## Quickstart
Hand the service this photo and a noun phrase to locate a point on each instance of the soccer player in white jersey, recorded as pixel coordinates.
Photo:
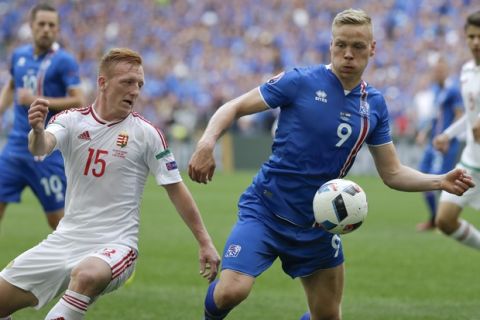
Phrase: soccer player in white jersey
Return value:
(326, 115)
(450, 206)
(109, 151)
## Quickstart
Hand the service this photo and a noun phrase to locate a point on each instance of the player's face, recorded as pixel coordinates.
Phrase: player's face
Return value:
(121, 88)
(350, 49)
(473, 40)
(44, 30)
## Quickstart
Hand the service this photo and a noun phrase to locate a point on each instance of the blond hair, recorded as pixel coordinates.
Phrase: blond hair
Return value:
(116, 55)
(352, 17)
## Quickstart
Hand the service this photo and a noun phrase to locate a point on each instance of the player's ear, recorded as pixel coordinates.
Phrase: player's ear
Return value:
(373, 47)
(101, 82)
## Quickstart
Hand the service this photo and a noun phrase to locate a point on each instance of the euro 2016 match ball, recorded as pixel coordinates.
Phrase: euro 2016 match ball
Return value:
(340, 206)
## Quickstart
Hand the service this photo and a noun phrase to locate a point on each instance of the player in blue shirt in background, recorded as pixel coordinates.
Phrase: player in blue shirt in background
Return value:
(327, 112)
(41, 69)
(448, 107)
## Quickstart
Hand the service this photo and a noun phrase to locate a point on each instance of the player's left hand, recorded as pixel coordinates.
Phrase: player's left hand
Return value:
(457, 182)
(209, 262)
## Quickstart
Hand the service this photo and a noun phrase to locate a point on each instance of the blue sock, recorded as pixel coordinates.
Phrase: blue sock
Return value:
(432, 204)
(211, 310)
(306, 316)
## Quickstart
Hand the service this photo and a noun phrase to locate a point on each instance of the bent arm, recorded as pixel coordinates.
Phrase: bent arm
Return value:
(202, 163)
(248, 103)
(400, 177)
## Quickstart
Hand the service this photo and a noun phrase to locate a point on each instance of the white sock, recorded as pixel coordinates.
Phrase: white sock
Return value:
(71, 306)
(467, 234)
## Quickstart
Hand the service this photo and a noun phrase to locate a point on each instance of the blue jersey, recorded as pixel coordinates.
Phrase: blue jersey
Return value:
(49, 75)
(448, 100)
(321, 129)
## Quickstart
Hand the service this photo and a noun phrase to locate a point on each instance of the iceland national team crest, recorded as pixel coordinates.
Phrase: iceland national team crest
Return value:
(364, 108)
(233, 251)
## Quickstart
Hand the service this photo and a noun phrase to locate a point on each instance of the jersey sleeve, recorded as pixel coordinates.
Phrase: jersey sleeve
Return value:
(281, 89)
(58, 126)
(160, 159)
(381, 132)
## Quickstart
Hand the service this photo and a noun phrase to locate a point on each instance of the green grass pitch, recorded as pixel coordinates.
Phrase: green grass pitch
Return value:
(392, 271)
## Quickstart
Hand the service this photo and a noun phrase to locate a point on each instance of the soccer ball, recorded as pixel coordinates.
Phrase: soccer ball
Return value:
(340, 206)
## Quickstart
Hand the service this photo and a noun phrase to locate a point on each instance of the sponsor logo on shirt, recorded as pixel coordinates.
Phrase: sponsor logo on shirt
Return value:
(321, 95)
(233, 251)
(84, 136)
(122, 140)
(171, 165)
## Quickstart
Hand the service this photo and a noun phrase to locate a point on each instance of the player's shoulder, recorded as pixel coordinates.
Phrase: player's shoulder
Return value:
(146, 128)
(76, 113)
(143, 123)
(23, 50)
(65, 55)
(373, 92)
(311, 70)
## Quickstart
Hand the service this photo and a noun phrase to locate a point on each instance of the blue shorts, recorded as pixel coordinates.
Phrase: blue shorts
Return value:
(46, 179)
(259, 237)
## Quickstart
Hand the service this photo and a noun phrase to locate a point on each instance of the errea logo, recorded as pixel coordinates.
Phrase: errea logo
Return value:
(321, 95)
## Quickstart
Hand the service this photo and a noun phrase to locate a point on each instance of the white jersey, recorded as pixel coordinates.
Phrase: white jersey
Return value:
(107, 165)
(470, 78)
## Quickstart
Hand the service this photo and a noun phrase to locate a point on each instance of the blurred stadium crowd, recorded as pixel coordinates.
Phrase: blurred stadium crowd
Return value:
(200, 53)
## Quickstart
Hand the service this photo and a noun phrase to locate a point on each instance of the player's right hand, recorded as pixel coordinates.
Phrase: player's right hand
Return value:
(202, 163)
(37, 113)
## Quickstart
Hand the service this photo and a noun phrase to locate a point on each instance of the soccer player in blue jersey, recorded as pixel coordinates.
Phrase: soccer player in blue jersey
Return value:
(448, 107)
(327, 112)
(41, 69)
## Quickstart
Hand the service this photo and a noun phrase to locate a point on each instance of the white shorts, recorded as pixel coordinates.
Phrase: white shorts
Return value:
(471, 197)
(45, 269)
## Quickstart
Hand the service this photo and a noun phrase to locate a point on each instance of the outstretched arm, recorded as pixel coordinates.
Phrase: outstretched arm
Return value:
(40, 142)
(186, 207)
(403, 178)
(202, 163)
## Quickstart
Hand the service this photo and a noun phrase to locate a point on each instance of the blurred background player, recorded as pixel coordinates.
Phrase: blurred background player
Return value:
(447, 107)
(328, 103)
(450, 206)
(40, 69)
(109, 152)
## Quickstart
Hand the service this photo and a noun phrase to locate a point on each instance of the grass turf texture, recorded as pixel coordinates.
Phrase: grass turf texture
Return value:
(392, 271)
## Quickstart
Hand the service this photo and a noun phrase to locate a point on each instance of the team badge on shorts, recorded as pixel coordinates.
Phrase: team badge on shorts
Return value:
(233, 251)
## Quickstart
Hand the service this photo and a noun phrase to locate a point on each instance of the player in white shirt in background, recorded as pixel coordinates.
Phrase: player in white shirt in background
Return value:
(450, 206)
(109, 151)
